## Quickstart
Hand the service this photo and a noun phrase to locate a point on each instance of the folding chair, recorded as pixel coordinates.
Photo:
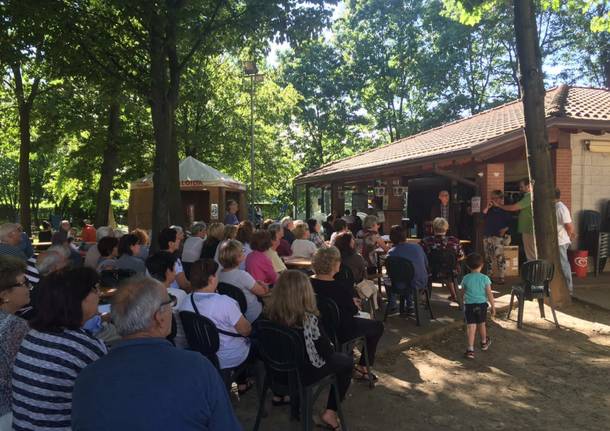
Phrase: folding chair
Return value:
(282, 351)
(442, 265)
(330, 316)
(536, 276)
(400, 271)
(235, 293)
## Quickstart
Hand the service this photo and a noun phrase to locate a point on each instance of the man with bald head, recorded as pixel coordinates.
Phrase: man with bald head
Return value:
(145, 383)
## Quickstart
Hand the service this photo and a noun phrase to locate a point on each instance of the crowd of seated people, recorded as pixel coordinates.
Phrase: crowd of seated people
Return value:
(182, 272)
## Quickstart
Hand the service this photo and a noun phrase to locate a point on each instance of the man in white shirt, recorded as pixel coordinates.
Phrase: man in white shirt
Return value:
(565, 233)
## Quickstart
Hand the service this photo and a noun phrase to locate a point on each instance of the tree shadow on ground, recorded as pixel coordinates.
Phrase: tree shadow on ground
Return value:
(539, 378)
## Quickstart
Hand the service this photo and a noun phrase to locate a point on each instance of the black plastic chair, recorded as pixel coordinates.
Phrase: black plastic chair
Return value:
(202, 335)
(442, 264)
(330, 316)
(401, 272)
(345, 274)
(235, 293)
(536, 276)
(283, 352)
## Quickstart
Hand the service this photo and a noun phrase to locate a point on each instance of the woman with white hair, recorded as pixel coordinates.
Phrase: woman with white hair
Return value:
(440, 241)
(288, 224)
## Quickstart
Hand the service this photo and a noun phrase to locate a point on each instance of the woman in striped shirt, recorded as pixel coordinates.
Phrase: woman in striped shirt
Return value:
(14, 294)
(55, 350)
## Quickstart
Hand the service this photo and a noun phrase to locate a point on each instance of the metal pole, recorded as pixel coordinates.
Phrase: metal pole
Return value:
(252, 194)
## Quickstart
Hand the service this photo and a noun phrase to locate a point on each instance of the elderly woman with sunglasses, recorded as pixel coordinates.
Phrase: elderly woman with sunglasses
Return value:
(14, 294)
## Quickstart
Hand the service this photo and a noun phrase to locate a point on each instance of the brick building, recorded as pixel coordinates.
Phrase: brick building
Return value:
(471, 157)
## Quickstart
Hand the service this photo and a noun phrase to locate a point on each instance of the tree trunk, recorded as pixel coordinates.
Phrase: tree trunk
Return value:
(25, 184)
(163, 97)
(109, 163)
(538, 154)
(176, 212)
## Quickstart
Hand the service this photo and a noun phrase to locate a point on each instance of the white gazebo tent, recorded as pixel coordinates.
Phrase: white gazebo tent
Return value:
(204, 192)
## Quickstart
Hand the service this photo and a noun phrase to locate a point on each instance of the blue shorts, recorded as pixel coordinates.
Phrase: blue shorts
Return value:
(475, 313)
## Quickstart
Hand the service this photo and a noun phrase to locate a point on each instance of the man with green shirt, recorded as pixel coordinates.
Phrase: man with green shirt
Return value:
(525, 222)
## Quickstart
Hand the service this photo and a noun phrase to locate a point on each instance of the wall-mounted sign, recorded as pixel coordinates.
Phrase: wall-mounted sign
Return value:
(214, 211)
(475, 204)
(191, 183)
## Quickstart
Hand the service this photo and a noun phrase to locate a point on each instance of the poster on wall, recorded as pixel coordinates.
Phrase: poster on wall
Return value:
(475, 204)
(214, 211)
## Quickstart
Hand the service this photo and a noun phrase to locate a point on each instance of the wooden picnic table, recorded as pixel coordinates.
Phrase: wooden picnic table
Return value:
(386, 238)
(298, 263)
(41, 246)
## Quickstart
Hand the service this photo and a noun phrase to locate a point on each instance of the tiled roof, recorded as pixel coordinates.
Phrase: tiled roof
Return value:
(565, 102)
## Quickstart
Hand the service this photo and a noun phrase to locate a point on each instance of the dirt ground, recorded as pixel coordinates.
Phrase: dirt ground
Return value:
(538, 378)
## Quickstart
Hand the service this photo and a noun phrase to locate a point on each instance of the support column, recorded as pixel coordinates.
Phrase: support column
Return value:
(393, 213)
(493, 179)
(243, 206)
(337, 206)
(562, 169)
(307, 202)
(215, 200)
(222, 206)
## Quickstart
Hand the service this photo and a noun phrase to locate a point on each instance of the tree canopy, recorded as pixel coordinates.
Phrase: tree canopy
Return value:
(97, 94)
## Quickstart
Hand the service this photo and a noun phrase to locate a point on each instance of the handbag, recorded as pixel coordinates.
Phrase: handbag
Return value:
(367, 289)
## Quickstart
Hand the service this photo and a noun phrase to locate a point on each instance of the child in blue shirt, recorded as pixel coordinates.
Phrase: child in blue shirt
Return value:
(476, 289)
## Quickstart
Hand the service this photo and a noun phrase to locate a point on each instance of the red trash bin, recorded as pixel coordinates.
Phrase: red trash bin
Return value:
(579, 262)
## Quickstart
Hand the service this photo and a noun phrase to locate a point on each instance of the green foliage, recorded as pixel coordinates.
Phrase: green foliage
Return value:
(384, 70)
(213, 125)
(328, 120)
(471, 12)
